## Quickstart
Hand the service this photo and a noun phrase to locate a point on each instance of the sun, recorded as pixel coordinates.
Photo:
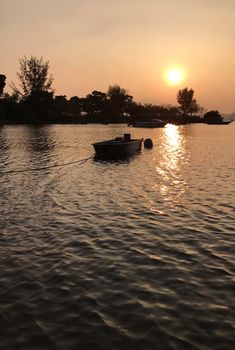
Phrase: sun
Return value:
(174, 76)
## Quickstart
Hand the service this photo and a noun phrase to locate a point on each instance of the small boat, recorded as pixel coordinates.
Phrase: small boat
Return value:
(219, 122)
(120, 147)
(154, 123)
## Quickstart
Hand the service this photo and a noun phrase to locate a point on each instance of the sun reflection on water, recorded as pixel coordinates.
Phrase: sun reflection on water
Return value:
(172, 134)
(172, 160)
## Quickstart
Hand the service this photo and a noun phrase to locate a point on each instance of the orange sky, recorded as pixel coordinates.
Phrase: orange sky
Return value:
(92, 44)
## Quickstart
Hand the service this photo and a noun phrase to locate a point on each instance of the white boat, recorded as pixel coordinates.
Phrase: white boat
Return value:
(153, 123)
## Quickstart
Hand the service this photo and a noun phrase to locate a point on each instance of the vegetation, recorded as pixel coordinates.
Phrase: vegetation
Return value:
(188, 104)
(34, 101)
(119, 99)
(34, 96)
(2, 83)
(33, 76)
(212, 116)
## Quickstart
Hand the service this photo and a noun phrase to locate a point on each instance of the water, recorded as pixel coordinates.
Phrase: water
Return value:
(134, 254)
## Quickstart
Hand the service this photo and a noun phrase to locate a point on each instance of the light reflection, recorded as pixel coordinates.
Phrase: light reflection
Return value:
(172, 135)
(171, 163)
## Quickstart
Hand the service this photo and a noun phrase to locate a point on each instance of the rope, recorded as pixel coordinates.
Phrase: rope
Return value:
(80, 161)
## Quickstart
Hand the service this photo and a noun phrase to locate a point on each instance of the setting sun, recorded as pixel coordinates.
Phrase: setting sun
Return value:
(174, 76)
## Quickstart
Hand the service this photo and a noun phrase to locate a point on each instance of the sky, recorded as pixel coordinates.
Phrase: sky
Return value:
(92, 44)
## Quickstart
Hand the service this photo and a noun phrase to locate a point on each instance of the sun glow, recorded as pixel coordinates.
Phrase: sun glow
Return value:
(174, 76)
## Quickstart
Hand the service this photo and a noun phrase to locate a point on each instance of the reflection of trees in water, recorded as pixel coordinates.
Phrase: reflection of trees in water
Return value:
(39, 139)
(39, 143)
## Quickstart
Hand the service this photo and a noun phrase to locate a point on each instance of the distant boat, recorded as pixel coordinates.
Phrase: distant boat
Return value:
(211, 122)
(154, 123)
(120, 147)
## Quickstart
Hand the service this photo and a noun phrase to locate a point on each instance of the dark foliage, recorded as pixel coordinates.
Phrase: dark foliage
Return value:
(188, 104)
(212, 116)
(33, 76)
(2, 83)
(119, 99)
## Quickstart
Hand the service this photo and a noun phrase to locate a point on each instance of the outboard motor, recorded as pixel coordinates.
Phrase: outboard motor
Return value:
(127, 137)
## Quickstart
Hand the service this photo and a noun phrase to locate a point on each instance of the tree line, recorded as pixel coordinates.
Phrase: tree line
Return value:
(34, 101)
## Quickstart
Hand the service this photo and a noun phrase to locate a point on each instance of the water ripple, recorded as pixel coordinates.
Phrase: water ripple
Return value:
(117, 255)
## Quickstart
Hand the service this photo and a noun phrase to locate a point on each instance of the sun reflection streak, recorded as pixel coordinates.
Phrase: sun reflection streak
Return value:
(172, 149)
(172, 182)
(172, 134)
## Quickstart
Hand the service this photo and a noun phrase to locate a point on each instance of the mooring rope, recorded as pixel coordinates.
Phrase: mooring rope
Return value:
(80, 161)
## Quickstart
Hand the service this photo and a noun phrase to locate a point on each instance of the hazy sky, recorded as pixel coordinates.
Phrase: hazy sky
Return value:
(92, 44)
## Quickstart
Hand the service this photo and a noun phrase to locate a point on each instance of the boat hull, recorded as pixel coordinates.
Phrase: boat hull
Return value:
(149, 124)
(218, 123)
(117, 149)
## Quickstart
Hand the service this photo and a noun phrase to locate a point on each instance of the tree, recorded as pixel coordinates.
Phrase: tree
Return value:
(212, 116)
(74, 105)
(33, 76)
(188, 104)
(2, 83)
(119, 99)
(96, 102)
(35, 90)
(9, 107)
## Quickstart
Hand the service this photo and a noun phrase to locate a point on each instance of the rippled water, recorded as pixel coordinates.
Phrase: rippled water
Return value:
(136, 254)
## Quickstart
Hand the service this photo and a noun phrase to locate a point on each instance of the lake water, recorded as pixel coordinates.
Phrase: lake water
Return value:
(136, 254)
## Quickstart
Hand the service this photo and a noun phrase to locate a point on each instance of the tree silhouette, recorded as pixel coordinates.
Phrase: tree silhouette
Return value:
(188, 104)
(96, 102)
(74, 105)
(35, 91)
(212, 116)
(33, 76)
(119, 99)
(2, 83)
